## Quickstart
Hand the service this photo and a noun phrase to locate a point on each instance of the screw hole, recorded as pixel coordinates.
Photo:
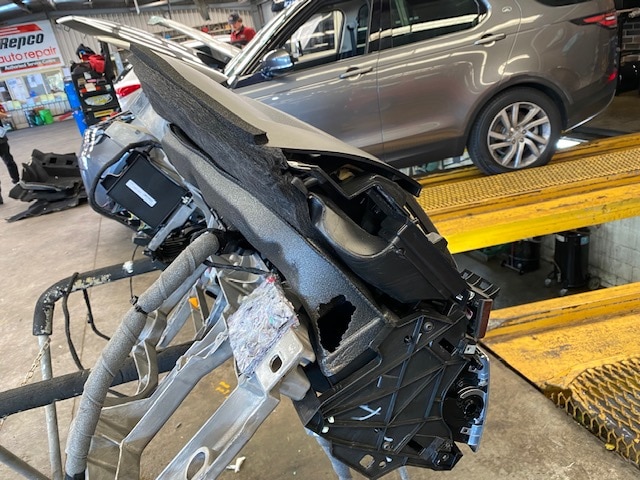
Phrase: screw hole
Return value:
(276, 364)
(198, 461)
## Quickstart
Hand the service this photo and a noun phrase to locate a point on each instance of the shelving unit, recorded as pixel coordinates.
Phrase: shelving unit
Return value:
(97, 96)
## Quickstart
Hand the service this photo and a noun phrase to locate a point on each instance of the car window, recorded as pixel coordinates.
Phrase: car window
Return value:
(362, 21)
(317, 38)
(336, 32)
(408, 21)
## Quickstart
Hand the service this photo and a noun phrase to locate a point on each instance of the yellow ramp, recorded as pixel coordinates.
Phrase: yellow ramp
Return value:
(592, 184)
(583, 352)
(594, 147)
(552, 341)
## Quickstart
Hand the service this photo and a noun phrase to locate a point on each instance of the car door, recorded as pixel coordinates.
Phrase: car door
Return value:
(333, 82)
(438, 60)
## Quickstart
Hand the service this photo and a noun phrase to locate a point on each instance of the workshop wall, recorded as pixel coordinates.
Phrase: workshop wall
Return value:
(614, 251)
(631, 37)
(68, 40)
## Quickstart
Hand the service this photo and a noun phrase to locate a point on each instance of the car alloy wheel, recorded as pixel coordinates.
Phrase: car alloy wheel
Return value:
(517, 129)
(518, 135)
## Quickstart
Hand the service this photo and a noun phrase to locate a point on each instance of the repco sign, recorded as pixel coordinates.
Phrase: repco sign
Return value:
(19, 42)
(28, 47)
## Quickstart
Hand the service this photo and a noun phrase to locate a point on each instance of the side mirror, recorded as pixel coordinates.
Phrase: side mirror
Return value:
(276, 62)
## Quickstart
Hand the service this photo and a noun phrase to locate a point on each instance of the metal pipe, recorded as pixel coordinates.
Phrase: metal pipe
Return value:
(20, 466)
(43, 329)
(40, 394)
(43, 313)
(116, 351)
(51, 417)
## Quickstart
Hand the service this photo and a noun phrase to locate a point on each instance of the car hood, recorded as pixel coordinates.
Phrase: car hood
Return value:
(221, 51)
(124, 36)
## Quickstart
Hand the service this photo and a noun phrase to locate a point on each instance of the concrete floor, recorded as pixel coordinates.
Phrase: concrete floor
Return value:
(526, 437)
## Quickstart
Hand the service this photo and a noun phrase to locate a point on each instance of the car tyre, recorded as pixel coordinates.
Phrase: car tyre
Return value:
(517, 129)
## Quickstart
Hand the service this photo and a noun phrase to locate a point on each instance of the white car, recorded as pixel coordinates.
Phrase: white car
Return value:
(127, 87)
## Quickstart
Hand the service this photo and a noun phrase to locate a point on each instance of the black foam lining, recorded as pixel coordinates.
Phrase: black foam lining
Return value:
(231, 143)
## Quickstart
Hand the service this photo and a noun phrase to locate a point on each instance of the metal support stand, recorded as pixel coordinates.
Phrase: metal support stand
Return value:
(125, 430)
(224, 434)
(55, 455)
(20, 466)
(43, 328)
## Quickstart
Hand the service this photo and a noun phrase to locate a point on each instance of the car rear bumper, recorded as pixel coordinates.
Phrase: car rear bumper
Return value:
(589, 102)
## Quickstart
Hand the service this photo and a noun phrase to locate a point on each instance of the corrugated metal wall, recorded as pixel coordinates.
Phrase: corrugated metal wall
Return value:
(68, 40)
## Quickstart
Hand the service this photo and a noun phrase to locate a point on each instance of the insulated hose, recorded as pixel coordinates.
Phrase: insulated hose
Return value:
(120, 345)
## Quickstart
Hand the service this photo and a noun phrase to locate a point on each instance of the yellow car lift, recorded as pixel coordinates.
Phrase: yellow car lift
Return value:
(582, 351)
(585, 186)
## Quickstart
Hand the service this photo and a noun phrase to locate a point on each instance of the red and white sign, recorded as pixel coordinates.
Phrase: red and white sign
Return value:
(28, 47)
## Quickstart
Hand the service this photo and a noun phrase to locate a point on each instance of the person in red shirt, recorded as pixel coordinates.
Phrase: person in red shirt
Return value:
(240, 35)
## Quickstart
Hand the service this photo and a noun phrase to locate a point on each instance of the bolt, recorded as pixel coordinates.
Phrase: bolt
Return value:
(325, 429)
(387, 446)
(428, 327)
(331, 419)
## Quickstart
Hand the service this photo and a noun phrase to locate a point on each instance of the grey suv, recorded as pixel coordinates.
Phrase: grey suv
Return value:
(413, 81)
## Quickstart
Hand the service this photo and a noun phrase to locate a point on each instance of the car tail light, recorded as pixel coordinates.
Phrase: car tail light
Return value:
(606, 20)
(127, 90)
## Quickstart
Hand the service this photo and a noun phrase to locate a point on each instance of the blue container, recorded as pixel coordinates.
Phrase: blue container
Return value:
(78, 116)
(72, 95)
(74, 102)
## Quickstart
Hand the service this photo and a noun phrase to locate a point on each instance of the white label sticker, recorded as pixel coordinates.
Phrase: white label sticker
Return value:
(137, 189)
